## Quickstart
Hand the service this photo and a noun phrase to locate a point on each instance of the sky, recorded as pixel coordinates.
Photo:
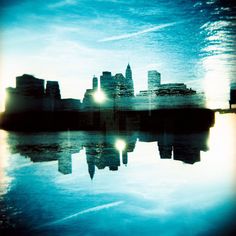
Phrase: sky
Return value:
(72, 40)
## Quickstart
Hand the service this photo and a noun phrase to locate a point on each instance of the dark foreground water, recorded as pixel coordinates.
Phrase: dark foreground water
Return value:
(85, 183)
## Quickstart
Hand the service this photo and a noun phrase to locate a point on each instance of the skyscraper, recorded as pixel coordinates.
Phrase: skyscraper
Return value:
(120, 87)
(95, 83)
(28, 85)
(128, 72)
(107, 83)
(129, 81)
(53, 90)
(154, 79)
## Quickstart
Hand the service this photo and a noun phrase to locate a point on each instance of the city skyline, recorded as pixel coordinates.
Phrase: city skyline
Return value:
(76, 39)
(114, 92)
(126, 72)
(74, 96)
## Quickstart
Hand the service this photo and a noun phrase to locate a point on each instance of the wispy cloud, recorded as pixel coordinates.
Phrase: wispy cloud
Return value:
(93, 209)
(63, 3)
(130, 35)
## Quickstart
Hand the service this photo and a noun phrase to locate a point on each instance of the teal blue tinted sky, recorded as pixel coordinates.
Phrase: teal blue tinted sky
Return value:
(71, 40)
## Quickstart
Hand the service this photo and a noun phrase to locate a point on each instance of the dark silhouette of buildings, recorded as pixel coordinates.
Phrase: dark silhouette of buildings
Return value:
(88, 100)
(107, 83)
(180, 133)
(27, 96)
(30, 106)
(117, 90)
(129, 81)
(184, 147)
(167, 96)
(29, 85)
(95, 83)
(232, 99)
(31, 96)
(120, 86)
(53, 90)
(165, 145)
(40, 149)
(70, 105)
(117, 86)
(171, 89)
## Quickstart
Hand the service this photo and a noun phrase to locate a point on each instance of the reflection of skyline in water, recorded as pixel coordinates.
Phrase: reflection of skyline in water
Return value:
(148, 188)
(100, 148)
(180, 134)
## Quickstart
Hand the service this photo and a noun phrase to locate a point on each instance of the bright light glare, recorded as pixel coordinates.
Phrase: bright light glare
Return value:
(120, 145)
(216, 82)
(3, 98)
(4, 163)
(99, 96)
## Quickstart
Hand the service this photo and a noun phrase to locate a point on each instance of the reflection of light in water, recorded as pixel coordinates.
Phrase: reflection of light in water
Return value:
(222, 135)
(221, 158)
(120, 145)
(99, 96)
(3, 98)
(7, 78)
(4, 156)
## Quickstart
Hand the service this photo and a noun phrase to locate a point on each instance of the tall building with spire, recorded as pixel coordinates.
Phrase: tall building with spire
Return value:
(129, 81)
(128, 72)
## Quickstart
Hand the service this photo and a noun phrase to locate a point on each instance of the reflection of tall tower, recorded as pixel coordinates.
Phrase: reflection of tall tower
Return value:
(165, 143)
(125, 158)
(65, 164)
(154, 79)
(91, 169)
(91, 164)
(187, 154)
(187, 147)
(129, 80)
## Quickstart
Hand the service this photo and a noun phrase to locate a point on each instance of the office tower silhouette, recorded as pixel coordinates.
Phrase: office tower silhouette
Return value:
(95, 83)
(53, 90)
(120, 86)
(107, 83)
(232, 98)
(154, 80)
(28, 85)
